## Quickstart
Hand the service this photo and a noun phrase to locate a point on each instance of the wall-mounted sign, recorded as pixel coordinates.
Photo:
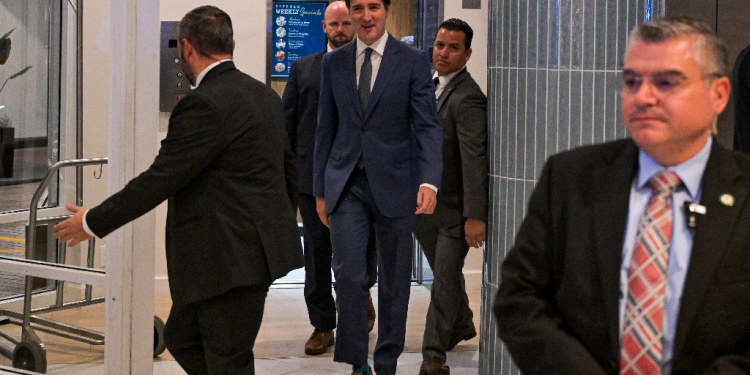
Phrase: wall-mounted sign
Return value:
(296, 32)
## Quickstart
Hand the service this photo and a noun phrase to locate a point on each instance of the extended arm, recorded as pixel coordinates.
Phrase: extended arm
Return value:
(191, 144)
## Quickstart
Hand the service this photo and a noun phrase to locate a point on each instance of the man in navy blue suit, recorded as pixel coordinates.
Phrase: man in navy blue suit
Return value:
(301, 109)
(378, 154)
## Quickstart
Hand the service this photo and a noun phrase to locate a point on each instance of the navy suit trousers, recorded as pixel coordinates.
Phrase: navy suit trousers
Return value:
(321, 307)
(351, 221)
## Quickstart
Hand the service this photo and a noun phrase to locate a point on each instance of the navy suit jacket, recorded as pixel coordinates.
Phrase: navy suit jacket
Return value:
(300, 102)
(557, 305)
(398, 134)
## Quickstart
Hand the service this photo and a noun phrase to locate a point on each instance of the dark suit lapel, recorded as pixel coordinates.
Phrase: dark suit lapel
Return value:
(349, 74)
(722, 176)
(449, 89)
(388, 64)
(610, 202)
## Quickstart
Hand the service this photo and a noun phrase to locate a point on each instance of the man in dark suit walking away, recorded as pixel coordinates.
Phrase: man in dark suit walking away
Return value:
(633, 256)
(227, 172)
(461, 212)
(300, 101)
(377, 156)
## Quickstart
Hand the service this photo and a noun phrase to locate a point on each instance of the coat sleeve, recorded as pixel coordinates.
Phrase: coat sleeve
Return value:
(290, 101)
(193, 141)
(470, 119)
(528, 322)
(426, 123)
(326, 131)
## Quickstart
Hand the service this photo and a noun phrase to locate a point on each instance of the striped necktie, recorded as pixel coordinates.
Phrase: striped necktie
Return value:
(641, 346)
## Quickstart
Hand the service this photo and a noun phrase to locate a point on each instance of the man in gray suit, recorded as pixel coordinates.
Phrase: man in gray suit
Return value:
(228, 174)
(461, 212)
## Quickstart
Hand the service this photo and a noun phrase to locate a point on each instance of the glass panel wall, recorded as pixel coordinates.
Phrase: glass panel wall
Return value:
(29, 97)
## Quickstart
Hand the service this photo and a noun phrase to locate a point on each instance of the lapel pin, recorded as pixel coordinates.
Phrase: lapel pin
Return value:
(727, 200)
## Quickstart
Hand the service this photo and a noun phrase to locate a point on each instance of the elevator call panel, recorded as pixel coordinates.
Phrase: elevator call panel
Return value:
(173, 85)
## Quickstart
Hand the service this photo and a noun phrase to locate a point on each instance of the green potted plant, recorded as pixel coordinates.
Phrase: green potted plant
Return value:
(7, 133)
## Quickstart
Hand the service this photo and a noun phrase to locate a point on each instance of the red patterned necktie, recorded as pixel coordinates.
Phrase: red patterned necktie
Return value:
(641, 347)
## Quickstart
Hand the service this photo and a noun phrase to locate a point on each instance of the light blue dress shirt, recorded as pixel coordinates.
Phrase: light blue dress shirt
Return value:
(691, 174)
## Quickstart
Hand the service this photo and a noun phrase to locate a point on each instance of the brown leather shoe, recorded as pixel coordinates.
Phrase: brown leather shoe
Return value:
(465, 335)
(319, 342)
(434, 366)
(370, 313)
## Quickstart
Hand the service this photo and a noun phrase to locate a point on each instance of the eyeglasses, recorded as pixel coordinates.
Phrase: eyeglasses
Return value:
(665, 83)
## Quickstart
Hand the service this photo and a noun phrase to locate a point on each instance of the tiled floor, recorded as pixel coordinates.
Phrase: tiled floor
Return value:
(461, 363)
(279, 347)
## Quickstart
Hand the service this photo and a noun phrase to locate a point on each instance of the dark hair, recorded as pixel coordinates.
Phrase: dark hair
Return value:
(710, 51)
(387, 3)
(455, 24)
(208, 29)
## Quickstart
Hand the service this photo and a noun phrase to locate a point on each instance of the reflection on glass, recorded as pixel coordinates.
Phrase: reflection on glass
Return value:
(29, 120)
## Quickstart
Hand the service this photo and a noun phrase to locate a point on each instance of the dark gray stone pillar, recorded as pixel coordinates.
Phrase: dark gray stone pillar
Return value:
(553, 78)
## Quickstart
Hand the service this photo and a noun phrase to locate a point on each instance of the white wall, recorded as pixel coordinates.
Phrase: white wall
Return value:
(477, 19)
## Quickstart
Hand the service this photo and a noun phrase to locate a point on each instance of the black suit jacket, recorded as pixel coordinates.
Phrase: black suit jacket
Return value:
(741, 96)
(300, 101)
(462, 108)
(227, 171)
(557, 305)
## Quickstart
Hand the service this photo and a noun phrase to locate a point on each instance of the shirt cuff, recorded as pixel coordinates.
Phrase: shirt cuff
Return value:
(86, 226)
(431, 186)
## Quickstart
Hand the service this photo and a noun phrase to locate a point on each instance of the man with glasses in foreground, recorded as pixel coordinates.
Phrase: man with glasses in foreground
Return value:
(634, 256)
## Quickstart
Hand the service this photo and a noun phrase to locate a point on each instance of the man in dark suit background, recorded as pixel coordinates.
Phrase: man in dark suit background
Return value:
(596, 282)
(227, 172)
(461, 211)
(300, 101)
(378, 139)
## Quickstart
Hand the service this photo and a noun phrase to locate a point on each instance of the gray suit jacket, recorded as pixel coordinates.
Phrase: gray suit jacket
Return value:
(462, 108)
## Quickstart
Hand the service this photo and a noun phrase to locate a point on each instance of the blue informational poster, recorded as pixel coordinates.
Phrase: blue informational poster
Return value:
(297, 31)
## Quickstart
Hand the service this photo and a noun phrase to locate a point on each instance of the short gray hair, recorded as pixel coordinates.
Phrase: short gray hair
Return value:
(710, 51)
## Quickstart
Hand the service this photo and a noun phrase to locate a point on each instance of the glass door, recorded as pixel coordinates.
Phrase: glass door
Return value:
(38, 118)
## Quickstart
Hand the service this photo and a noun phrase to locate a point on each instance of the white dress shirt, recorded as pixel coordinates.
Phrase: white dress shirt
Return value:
(444, 81)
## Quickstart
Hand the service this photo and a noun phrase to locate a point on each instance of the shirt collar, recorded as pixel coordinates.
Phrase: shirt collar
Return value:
(446, 79)
(205, 71)
(378, 46)
(690, 172)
